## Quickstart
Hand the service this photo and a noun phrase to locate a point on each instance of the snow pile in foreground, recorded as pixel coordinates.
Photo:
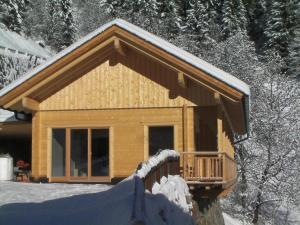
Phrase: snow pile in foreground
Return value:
(155, 160)
(176, 190)
(123, 204)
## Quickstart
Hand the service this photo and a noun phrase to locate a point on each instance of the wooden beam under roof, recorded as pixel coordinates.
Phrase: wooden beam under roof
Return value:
(219, 101)
(182, 80)
(119, 47)
(30, 104)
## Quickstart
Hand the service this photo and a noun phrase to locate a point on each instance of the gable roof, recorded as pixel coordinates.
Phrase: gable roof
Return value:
(45, 79)
(151, 38)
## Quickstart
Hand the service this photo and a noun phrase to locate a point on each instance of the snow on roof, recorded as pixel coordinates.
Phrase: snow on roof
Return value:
(12, 43)
(7, 116)
(151, 38)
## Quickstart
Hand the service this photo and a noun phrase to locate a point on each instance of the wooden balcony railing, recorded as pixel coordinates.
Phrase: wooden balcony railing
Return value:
(208, 168)
(164, 167)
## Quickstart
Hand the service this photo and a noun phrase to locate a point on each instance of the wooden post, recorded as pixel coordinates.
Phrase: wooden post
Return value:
(89, 153)
(224, 168)
(68, 153)
(185, 127)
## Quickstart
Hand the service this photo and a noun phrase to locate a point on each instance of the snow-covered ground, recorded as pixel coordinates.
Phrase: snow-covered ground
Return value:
(231, 221)
(295, 216)
(14, 192)
(79, 204)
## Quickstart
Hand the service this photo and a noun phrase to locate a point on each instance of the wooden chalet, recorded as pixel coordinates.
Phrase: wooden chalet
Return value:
(120, 94)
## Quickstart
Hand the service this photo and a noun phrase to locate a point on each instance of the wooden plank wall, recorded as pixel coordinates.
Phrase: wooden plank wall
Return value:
(226, 137)
(127, 126)
(208, 128)
(134, 81)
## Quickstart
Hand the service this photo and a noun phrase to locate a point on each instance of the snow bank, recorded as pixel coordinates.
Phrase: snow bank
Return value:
(14, 41)
(123, 204)
(230, 221)
(154, 161)
(176, 190)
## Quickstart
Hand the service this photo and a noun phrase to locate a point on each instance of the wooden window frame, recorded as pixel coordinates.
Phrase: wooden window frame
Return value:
(68, 177)
(146, 136)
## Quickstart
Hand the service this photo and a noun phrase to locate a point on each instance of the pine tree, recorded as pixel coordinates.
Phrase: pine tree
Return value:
(98, 14)
(35, 20)
(10, 15)
(54, 22)
(168, 15)
(241, 13)
(229, 19)
(197, 19)
(61, 27)
(294, 46)
(113, 7)
(256, 26)
(68, 28)
(276, 31)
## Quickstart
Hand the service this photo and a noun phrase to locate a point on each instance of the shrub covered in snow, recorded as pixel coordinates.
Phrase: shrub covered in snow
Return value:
(176, 190)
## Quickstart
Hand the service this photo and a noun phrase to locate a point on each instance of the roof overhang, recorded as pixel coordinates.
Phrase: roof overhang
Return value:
(229, 87)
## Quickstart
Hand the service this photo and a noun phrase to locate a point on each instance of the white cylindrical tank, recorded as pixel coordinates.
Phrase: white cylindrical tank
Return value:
(6, 167)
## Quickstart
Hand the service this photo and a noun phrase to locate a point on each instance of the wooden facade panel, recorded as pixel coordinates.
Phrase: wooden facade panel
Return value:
(128, 139)
(227, 138)
(127, 82)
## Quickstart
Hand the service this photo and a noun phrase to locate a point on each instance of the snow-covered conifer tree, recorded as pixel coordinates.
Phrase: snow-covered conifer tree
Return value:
(61, 27)
(229, 19)
(293, 59)
(113, 7)
(276, 31)
(10, 15)
(53, 35)
(242, 17)
(68, 27)
(197, 19)
(169, 16)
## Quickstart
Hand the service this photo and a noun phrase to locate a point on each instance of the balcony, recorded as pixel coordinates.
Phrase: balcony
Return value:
(209, 169)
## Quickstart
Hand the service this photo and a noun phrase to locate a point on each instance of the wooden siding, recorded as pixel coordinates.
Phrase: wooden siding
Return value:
(134, 81)
(225, 136)
(127, 133)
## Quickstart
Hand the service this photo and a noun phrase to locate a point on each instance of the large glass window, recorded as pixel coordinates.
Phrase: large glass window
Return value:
(85, 151)
(100, 152)
(160, 138)
(79, 152)
(58, 152)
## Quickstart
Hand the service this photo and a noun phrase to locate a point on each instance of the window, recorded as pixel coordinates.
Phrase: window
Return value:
(100, 152)
(160, 138)
(86, 155)
(58, 152)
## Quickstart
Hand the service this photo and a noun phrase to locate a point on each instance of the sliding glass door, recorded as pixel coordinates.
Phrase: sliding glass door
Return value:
(81, 153)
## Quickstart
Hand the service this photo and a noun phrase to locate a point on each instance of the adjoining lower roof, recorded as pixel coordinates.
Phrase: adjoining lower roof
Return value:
(7, 116)
(148, 37)
(13, 44)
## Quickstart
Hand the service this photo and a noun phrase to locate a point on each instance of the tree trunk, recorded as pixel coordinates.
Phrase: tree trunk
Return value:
(256, 208)
(207, 212)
